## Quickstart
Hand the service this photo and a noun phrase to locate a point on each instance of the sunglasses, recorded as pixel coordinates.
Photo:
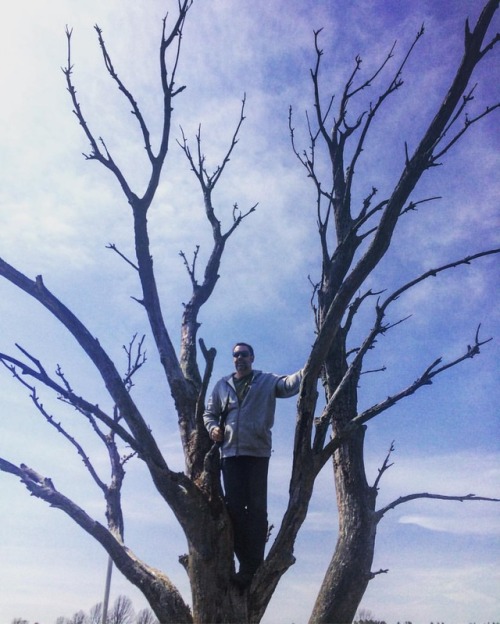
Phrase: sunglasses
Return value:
(243, 354)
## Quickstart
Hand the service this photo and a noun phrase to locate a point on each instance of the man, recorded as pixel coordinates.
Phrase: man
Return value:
(239, 416)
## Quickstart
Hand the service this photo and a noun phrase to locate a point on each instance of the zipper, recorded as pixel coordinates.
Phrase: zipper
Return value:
(240, 403)
(233, 390)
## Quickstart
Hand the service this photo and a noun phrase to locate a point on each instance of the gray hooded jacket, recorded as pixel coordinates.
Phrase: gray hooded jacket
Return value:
(248, 424)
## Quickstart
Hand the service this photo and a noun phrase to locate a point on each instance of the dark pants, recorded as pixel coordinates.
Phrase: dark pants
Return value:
(245, 488)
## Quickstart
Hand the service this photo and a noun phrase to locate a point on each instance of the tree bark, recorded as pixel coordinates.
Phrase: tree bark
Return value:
(349, 570)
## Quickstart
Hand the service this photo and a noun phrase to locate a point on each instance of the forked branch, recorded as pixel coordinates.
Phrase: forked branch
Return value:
(468, 122)
(201, 291)
(135, 107)
(96, 154)
(394, 85)
(20, 370)
(385, 466)
(379, 328)
(436, 368)
(136, 358)
(206, 180)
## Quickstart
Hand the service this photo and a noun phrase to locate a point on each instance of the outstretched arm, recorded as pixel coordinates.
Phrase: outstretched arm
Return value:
(289, 385)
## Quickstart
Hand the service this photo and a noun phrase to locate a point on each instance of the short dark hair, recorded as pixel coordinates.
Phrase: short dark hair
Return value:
(244, 344)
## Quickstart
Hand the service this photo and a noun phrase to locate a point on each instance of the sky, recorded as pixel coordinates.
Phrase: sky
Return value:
(58, 212)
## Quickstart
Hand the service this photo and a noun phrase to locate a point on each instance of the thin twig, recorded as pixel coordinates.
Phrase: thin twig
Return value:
(405, 499)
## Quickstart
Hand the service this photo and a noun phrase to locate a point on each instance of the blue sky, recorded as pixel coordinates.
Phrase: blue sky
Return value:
(58, 213)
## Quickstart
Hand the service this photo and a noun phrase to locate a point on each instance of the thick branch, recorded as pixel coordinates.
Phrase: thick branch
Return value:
(209, 355)
(117, 389)
(472, 56)
(177, 489)
(154, 584)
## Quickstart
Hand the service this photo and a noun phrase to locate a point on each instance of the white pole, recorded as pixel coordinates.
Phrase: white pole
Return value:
(106, 592)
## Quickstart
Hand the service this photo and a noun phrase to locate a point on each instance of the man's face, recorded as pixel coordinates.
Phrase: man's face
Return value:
(242, 360)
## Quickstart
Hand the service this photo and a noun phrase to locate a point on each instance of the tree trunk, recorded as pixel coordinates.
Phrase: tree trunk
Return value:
(215, 597)
(350, 568)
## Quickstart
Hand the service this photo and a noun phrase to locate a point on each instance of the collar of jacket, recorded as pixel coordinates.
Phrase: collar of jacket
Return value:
(229, 378)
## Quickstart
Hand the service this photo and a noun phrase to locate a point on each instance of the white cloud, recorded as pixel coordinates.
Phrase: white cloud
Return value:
(473, 523)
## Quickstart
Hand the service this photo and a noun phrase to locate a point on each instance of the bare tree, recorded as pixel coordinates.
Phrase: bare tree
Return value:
(122, 611)
(146, 616)
(95, 614)
(78, 618)
(353, 240)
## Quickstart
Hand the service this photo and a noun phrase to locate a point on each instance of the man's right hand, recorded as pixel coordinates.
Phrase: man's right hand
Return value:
(217, 434)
